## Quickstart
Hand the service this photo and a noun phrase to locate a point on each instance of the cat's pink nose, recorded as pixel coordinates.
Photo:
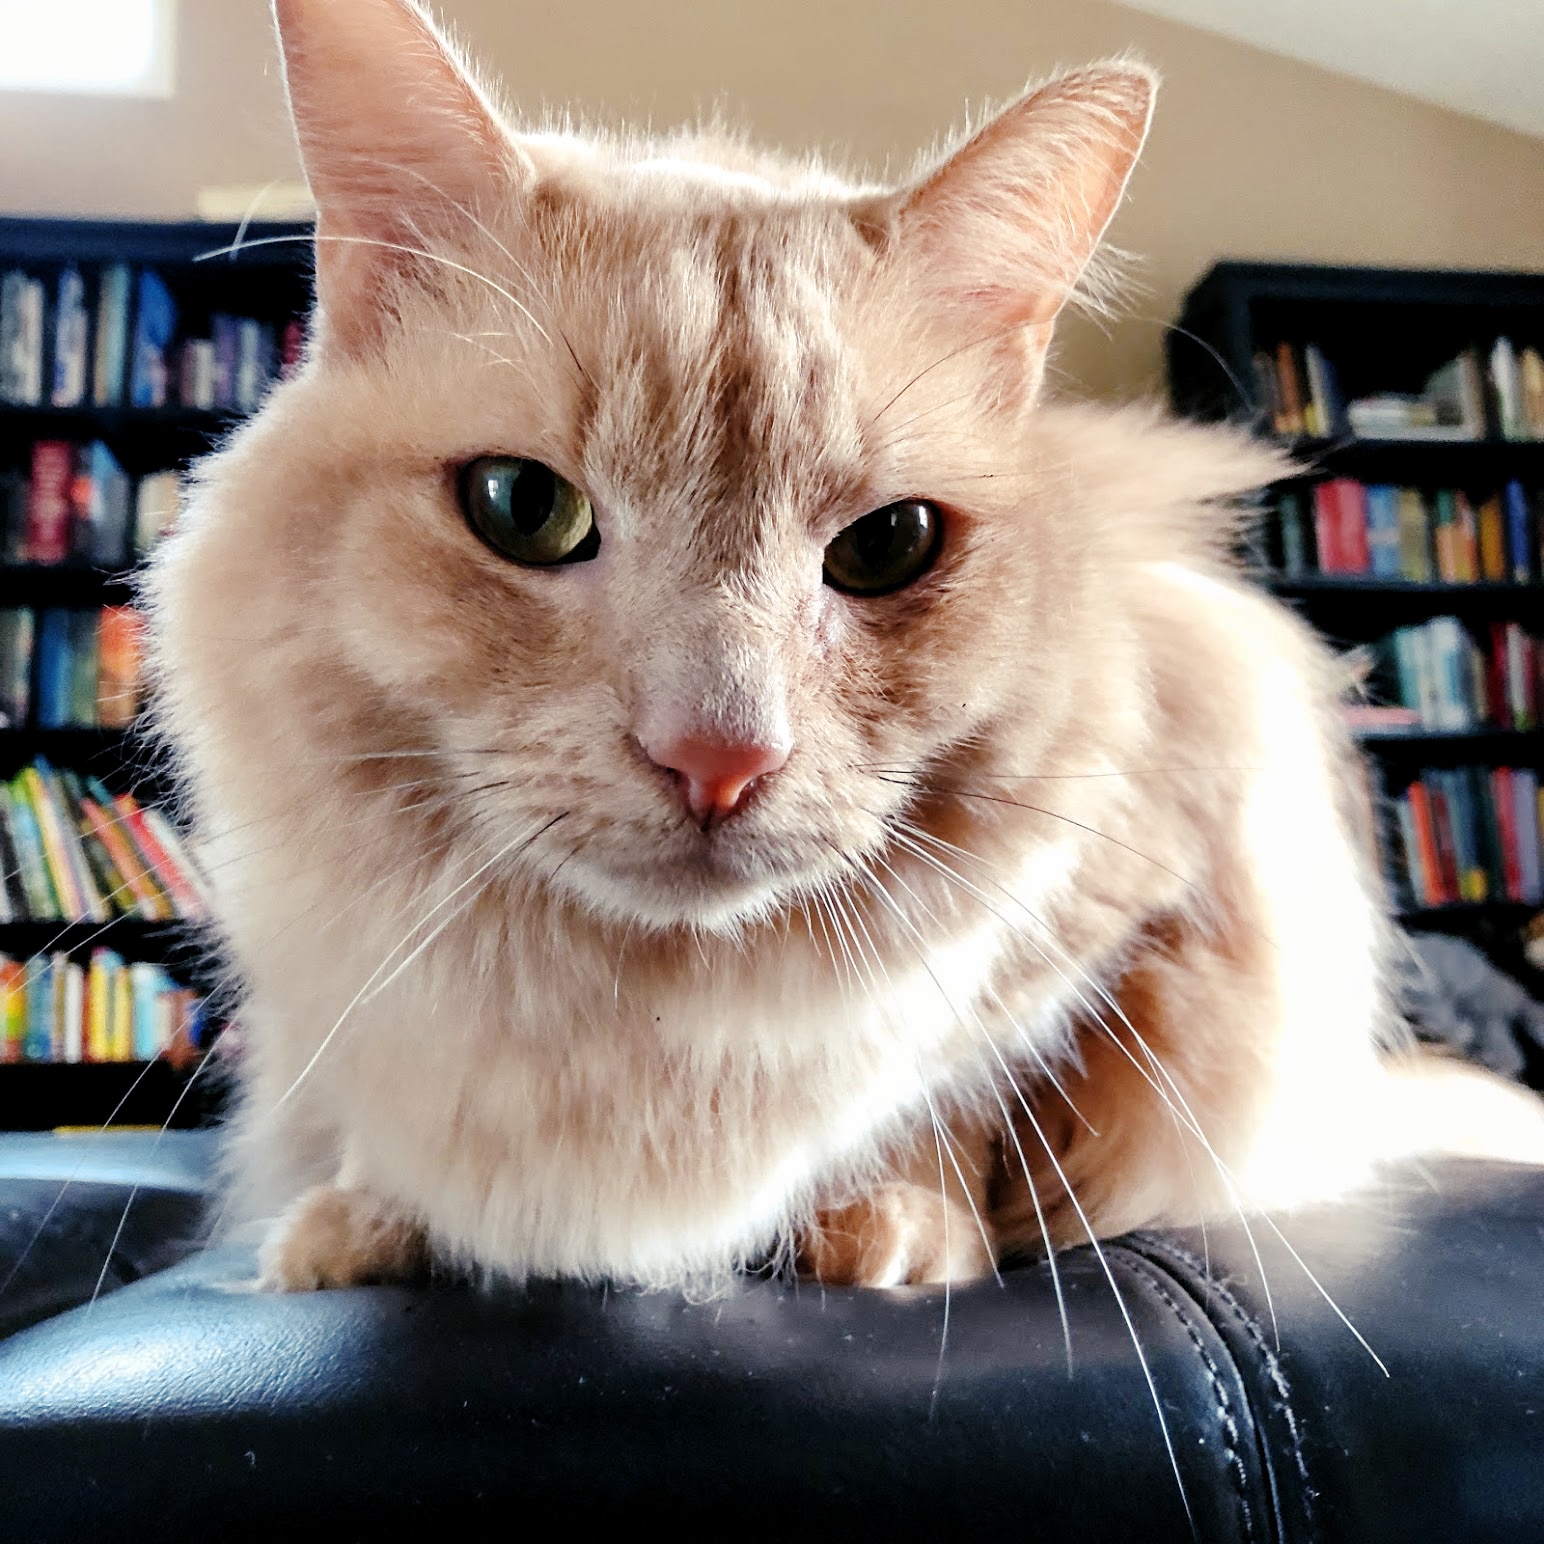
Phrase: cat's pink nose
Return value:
(716, 775)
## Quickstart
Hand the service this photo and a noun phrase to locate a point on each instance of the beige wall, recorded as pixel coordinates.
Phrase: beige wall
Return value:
(1252, 155)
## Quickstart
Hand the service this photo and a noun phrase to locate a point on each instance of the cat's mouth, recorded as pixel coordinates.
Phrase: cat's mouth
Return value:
(720, 877)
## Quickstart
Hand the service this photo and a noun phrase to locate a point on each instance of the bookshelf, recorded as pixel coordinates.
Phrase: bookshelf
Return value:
(155, 373)
(1386, 540)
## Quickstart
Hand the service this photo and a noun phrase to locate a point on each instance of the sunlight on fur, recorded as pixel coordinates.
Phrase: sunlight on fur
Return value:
(685, 871)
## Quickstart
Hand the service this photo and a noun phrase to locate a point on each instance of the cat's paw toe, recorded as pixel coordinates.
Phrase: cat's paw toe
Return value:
(900, 1234)
(336, 1237)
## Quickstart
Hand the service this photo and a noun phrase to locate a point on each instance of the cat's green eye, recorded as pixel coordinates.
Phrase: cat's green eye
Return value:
(885, 550)
(526, 512)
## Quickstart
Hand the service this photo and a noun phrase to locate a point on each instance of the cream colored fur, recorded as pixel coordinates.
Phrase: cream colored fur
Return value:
(1065, 822)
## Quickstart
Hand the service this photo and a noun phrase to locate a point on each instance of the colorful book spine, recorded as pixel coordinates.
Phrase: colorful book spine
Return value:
(151, 902)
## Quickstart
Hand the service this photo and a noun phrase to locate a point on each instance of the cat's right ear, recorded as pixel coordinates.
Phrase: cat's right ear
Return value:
(399, 142)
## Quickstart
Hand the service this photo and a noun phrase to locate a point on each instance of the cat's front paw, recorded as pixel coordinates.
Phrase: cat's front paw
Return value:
(899, 1234)
(340, 1237)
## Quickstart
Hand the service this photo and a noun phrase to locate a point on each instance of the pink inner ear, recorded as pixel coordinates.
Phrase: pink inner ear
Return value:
(1009, 222)
(397, 139)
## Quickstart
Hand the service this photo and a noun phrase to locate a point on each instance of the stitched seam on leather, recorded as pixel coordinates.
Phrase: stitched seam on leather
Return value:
(1268, 1359)
(1238, 1471)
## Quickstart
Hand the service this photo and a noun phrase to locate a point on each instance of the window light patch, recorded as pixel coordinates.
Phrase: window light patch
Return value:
(106, 47)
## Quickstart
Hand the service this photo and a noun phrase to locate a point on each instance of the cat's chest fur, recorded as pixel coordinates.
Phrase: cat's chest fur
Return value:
(614, 1115)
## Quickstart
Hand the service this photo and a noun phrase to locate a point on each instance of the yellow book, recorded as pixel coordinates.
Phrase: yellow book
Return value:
(121, 1035)
(1492, 540)
(97, 993)
(1415, 555)
(1532, 366)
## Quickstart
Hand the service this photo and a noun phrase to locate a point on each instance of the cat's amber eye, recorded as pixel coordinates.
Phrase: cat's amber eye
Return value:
(526, 512)
(885, 550)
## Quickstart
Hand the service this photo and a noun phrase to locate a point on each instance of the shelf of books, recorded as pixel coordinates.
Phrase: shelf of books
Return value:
(1412, 535)
(126, 350)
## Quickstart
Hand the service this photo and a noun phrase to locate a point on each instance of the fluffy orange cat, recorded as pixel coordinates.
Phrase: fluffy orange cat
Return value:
(698, 762)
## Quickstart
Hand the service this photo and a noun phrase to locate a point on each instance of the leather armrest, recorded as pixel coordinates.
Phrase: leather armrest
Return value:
(82, 1215)
(186, 1405)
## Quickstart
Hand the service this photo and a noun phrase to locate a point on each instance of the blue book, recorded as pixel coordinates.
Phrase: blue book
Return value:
(1525, 816)
(102, 513)
(148, 983)
(72, 326)
(55, 670)
(155, 324)
(1518, 547)
(1383, 532)
(40, 1008)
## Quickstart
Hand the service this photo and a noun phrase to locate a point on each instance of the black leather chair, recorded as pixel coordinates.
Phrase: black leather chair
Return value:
(184, 1406)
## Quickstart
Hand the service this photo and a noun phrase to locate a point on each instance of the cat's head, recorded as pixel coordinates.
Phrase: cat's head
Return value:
(678, 503)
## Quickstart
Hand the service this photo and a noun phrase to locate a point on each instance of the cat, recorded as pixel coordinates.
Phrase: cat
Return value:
(700, 762)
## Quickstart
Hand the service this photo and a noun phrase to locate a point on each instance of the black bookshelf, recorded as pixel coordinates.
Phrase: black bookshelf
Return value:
(1385, 330)
(267, 277)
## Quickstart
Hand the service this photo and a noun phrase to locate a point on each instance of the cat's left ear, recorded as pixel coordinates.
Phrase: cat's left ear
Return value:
(1006, 225)
(400, 145)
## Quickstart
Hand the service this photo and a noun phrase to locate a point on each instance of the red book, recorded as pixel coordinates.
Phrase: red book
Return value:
(1351, 503)
(1426, 842)
(50, 503)
(1498, 709)
(1447, 853)
(1506, 818)
(161, 864)
(1326, 529)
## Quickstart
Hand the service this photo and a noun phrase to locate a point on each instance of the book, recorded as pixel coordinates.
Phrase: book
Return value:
(1507, 389)
(72, 337)
(1492, 540)
(50, 532)
(67, 869)
(1531, 370)
(21, 339)
(1297, 547)
(292, 349)
(1328, 540)
(254, 364)
(225, 337)
(155, 510)
(120, 665)
(41, 904)
(83, 642)
(195, 375)
(1416, 561)
(72, 979)
(111, 355)
(39, 983)
(54, 672)
(1383, 532)
(1519, 547)
(101, 508)
(1289, 391)
(13, 1010)
(15, 666)
(150, 901)
(1324, 393)
(155, 323)
(153, 838)
(1466, 539)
